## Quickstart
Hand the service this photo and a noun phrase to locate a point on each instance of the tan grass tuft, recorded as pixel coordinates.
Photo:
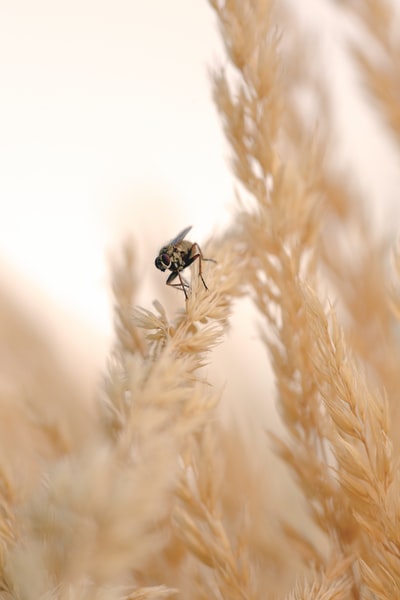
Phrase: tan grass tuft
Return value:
(150, 493)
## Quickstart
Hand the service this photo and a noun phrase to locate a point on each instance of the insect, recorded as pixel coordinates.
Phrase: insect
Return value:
(176, 256)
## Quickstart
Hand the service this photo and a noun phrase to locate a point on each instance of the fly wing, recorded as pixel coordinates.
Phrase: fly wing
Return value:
(180, 236)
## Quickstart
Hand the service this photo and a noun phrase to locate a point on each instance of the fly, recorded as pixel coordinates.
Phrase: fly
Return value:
(176, 256)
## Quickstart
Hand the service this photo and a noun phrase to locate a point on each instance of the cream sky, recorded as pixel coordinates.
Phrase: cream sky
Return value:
(108, 129)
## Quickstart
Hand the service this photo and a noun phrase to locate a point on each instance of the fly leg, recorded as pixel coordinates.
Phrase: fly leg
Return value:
(200, 256)
(182, 285)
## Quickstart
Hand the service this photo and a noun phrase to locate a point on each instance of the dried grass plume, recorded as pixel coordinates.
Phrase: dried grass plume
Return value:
(149, 494)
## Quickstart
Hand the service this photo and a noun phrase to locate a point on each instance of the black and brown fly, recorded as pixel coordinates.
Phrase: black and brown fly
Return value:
(176, 256)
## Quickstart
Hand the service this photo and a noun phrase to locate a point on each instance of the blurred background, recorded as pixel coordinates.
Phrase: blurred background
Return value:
(108, 131)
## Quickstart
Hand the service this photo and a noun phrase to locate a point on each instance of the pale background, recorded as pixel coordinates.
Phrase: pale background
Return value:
(107, 129)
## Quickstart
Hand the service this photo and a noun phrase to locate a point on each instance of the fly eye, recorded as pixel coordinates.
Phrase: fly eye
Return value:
(162, 261)
(165, 259)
